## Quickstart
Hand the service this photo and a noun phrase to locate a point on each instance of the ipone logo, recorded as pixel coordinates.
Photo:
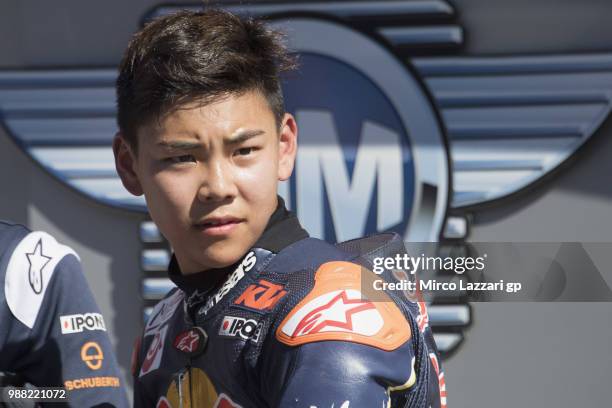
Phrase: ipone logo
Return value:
(247, 329)
(78, 322)
(371, 155)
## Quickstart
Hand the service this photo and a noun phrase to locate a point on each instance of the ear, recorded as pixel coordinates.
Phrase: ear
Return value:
(287, 147)
(125, 163)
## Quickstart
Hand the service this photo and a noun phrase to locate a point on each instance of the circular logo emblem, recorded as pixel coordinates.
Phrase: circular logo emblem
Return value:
(92, 356)
(371, 154)
(191, 342)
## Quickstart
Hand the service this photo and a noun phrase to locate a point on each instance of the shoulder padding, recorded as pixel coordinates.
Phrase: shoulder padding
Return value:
(28, 273)
(343, 306)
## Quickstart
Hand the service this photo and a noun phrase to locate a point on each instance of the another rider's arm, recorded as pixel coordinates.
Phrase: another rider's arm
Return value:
(57, 328)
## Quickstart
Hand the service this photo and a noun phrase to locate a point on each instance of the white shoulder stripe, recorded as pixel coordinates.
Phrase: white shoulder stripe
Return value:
(29, 272)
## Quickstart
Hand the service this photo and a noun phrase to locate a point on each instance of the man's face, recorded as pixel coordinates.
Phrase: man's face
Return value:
(209, 175)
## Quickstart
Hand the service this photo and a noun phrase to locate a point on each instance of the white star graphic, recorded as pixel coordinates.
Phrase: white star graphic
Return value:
(37, 261)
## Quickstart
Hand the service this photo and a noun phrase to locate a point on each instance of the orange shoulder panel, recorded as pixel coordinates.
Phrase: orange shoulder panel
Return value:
(341, 306)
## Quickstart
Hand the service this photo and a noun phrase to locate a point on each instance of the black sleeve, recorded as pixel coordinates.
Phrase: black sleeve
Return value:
(347, 375)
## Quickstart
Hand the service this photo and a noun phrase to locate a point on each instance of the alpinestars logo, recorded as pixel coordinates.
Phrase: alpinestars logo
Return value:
(78, 322)
(37, 261)
(338, 311)
(246, 265)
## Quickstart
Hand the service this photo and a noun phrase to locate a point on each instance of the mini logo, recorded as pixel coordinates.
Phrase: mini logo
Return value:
(154, 353)
(92, 355)
(246, 265)
(247, 329)
(37, 261)
(78, 322)
(191, 341)
(163, 312)
(262, 296)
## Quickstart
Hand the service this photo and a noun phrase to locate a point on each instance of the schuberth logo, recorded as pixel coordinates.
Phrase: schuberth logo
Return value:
(92, 355)
(91, 382)
(262, 296)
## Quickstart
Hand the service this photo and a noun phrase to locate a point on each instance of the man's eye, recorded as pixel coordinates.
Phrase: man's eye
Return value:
(186, 158)
(245, 151)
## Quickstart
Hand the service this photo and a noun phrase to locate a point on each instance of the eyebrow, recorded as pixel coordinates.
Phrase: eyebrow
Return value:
(179, 145)
(242, 136)
(237, 138)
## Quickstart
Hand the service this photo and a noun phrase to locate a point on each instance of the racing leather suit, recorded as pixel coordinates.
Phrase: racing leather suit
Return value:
(51, 331)
(289, 325)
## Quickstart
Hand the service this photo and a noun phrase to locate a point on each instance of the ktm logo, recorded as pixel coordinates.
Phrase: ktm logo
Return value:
(262, 296)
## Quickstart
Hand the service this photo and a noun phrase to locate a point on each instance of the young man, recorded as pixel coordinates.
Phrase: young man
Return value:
(51, 331)
(263, 316)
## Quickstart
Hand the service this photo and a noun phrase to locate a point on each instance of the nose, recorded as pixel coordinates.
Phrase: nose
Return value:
(217, 183)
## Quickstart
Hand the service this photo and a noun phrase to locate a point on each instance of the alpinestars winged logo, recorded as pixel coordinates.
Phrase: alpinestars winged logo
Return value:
(337, 314)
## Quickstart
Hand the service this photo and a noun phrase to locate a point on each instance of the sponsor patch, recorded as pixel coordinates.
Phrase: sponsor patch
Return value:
(154, 353)
(92, 355)
(76, 323)
(162, 312)
(92, 382)
(247, 329)
(191, 341)
(261, 296)
(246, 265)
(337, 309)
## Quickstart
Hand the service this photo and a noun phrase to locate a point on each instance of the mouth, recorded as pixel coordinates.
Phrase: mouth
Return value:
(218, 225)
